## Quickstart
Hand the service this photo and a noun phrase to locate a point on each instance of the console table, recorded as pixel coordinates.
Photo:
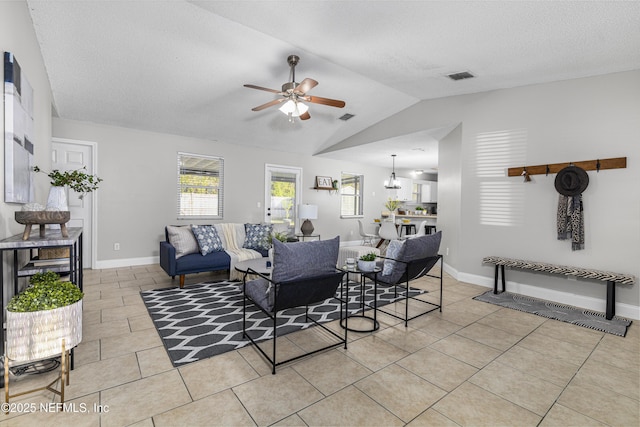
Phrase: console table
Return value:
(304, 237)
(51, 239)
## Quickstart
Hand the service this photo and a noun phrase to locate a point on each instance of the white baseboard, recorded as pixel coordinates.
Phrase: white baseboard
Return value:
(596, 304)
(451, 271)
(128, 262)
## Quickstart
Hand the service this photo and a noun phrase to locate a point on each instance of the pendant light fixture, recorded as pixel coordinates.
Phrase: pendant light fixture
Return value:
(392, 183)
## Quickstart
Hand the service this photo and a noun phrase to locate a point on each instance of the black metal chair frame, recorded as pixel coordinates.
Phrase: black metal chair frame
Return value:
(320, 289)
(414, 270)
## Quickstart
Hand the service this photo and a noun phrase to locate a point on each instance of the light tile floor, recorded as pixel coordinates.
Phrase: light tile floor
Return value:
(473, 364)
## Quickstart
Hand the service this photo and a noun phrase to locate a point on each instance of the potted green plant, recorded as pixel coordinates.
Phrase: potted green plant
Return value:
(392, 204)
(78, 180)
(41, 316)
(419, 210)
(280, 235)
(367, 262)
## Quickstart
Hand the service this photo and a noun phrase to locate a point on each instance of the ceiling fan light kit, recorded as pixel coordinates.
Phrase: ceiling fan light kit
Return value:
(294, 108)
(392, 183)
(293, 92)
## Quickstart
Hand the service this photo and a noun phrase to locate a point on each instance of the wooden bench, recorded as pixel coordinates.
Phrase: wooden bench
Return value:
(585, 273)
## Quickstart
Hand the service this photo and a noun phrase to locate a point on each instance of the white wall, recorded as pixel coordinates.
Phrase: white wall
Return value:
(18, 37)
(138, 195)
(571, 120)
(449, 197)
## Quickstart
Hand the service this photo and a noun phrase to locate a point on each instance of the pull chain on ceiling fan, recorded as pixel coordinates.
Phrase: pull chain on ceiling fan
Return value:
(293, 93)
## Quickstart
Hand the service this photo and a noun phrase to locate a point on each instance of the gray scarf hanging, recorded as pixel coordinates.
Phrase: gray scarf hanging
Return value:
(571, 220)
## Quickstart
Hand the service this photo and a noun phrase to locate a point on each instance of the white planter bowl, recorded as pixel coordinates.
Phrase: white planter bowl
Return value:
(38, 334)
(366, 265)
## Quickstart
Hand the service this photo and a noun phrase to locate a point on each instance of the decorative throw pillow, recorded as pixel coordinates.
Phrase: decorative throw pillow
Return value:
(182, 239)
(393, 250)
(416, 248)
(257, 236)
(420, 247)
(298, 260)
(208, 239)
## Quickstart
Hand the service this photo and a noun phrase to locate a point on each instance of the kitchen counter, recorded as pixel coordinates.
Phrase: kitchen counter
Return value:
(412, 216)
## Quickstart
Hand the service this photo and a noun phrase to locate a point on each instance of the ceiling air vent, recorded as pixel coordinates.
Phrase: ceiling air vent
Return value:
(346, 117)
(460, 76)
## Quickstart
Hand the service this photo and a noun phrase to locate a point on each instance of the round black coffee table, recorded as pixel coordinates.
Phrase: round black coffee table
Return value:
(259, 265)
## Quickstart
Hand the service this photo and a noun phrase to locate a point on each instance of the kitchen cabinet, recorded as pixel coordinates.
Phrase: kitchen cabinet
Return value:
(429, 192)
(405, 193)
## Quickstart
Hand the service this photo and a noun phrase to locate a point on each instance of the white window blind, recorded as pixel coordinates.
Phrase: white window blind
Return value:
(351, 195)
(501, 199)
(200, 186)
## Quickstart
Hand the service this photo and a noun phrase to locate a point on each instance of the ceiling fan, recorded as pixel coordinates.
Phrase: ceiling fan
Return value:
(293, 93)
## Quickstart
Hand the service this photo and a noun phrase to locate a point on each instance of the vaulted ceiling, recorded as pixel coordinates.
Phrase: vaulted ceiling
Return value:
(179, 67)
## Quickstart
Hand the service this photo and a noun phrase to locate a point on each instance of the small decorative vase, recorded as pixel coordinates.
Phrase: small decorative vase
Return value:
(57, 201)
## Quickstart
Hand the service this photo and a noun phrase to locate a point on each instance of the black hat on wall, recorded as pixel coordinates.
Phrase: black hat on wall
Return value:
(571, 181)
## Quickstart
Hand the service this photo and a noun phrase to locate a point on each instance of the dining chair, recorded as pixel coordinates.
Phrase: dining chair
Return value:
(367, 238)
(388, 231)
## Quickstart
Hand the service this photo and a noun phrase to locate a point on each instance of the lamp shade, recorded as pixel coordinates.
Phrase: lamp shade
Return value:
(308, 211)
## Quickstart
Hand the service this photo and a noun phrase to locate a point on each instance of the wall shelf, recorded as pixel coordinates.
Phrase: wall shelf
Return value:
(329, 189)
(588, 165)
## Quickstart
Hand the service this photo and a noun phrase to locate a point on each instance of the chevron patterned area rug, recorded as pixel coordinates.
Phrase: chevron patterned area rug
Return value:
(552, 310)
(204, 320)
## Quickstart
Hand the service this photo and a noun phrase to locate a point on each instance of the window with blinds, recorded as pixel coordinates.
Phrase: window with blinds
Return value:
(200, 186)
(351, 195)
(501, 200)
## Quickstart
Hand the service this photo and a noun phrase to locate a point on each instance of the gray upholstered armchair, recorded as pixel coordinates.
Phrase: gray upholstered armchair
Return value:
(409, 260)
(304, 274)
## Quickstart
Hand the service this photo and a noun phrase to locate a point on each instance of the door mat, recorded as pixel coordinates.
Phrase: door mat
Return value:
(553, 310)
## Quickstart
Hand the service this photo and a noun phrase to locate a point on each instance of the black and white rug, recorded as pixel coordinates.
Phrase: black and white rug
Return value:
(204, 320)
(552, 310)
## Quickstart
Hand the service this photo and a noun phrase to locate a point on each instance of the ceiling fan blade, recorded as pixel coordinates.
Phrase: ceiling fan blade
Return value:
(268, 104)
(325, 101)
(262, 88)
(305, 116)
(305, 86)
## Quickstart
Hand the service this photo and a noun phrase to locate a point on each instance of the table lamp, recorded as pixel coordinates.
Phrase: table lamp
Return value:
(307, 212)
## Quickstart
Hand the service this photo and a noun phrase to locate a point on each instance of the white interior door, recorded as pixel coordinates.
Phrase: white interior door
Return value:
(282, 197)
(68, 155)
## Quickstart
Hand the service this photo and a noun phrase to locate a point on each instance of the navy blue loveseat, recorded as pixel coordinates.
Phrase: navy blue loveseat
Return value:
(191, 263)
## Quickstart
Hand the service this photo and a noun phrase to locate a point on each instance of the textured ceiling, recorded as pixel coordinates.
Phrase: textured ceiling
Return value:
(179, 67)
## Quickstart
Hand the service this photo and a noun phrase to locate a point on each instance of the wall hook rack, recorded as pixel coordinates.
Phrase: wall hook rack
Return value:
(588, 165)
